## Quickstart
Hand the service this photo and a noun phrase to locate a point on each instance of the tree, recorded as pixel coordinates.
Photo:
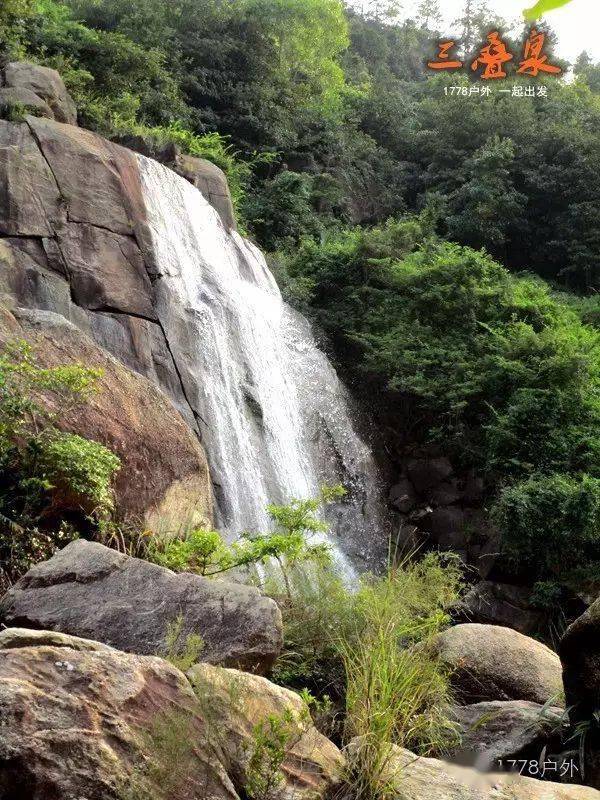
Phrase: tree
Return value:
(429, 13)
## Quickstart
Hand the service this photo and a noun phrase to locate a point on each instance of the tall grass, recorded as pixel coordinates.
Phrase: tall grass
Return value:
(367, 647)
(397, 691)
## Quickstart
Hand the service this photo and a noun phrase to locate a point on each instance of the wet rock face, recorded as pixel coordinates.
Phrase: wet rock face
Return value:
(89, 590)
(490, 662)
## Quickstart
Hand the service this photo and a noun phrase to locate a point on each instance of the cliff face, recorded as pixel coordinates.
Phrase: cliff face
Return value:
(72, 242)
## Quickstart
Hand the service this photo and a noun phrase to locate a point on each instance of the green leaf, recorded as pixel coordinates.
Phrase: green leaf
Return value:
(541, 7)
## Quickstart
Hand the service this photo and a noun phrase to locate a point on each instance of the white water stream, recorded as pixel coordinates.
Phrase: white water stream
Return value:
(274, 417)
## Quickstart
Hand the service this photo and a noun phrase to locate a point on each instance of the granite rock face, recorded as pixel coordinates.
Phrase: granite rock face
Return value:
(91, 591)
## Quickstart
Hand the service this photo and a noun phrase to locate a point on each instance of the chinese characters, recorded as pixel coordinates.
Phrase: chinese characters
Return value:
(492, 58)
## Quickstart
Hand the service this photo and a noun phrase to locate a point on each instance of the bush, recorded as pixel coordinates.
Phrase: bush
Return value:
(51, 482)
(551, 526)
(206, 552)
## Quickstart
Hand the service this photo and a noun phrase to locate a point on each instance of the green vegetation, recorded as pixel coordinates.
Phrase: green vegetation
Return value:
(367, 649)
(207, 553)
(54, 484)
(182, 652)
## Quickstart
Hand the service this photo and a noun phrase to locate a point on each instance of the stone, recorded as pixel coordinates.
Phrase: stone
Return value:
(106, 271)
(16, 99)
(91, 591)
(239, 702)
(30, 202)
(47, 84)
(92, 722)
(501, 604)
(164, 471)
(580, 655)
(402, 496)
(445, 493)
(416, 778)
(205, 175)
(98, 181)
(490, 662)
(502, 730)
(425, 473)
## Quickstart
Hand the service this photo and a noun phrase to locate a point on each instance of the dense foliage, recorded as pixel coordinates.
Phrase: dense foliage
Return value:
(54, 484)
(354, 127)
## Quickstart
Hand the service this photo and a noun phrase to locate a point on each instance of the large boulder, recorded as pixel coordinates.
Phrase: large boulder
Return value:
(490, 662)
(580, 655)
(164, 471)
(242, 703)
(89, 590)
(500, 731)
(82, 720)
(43, 83)
(415, 778)
(15, 101)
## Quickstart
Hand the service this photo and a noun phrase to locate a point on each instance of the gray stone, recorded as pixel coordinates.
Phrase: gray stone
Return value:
(47, 84)
(501, 604)
(501, 730)
(402, 496)
(580, 655)
(489, 662)
(425, 473)
(91, 591)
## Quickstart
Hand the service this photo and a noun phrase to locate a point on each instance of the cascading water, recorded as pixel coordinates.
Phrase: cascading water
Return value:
(274, 417)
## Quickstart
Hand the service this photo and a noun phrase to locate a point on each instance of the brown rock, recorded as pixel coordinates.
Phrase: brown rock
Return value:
(88, 721)
(211, 181)
(490, 662)
(239, 702)
(45, 83)
(30, 203)
(106, 270)
(97, 180)
(164, 470)
(89, 590)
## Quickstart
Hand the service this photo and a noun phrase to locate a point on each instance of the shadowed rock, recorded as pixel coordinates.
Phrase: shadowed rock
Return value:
(89, 590)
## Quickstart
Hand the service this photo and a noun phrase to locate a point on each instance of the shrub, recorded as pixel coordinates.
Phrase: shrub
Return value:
(551, 526)
(182, 652)
(51, 482)
(397, 692)
(207, 553)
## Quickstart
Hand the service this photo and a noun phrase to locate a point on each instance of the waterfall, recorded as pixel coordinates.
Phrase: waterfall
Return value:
(274, 418)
